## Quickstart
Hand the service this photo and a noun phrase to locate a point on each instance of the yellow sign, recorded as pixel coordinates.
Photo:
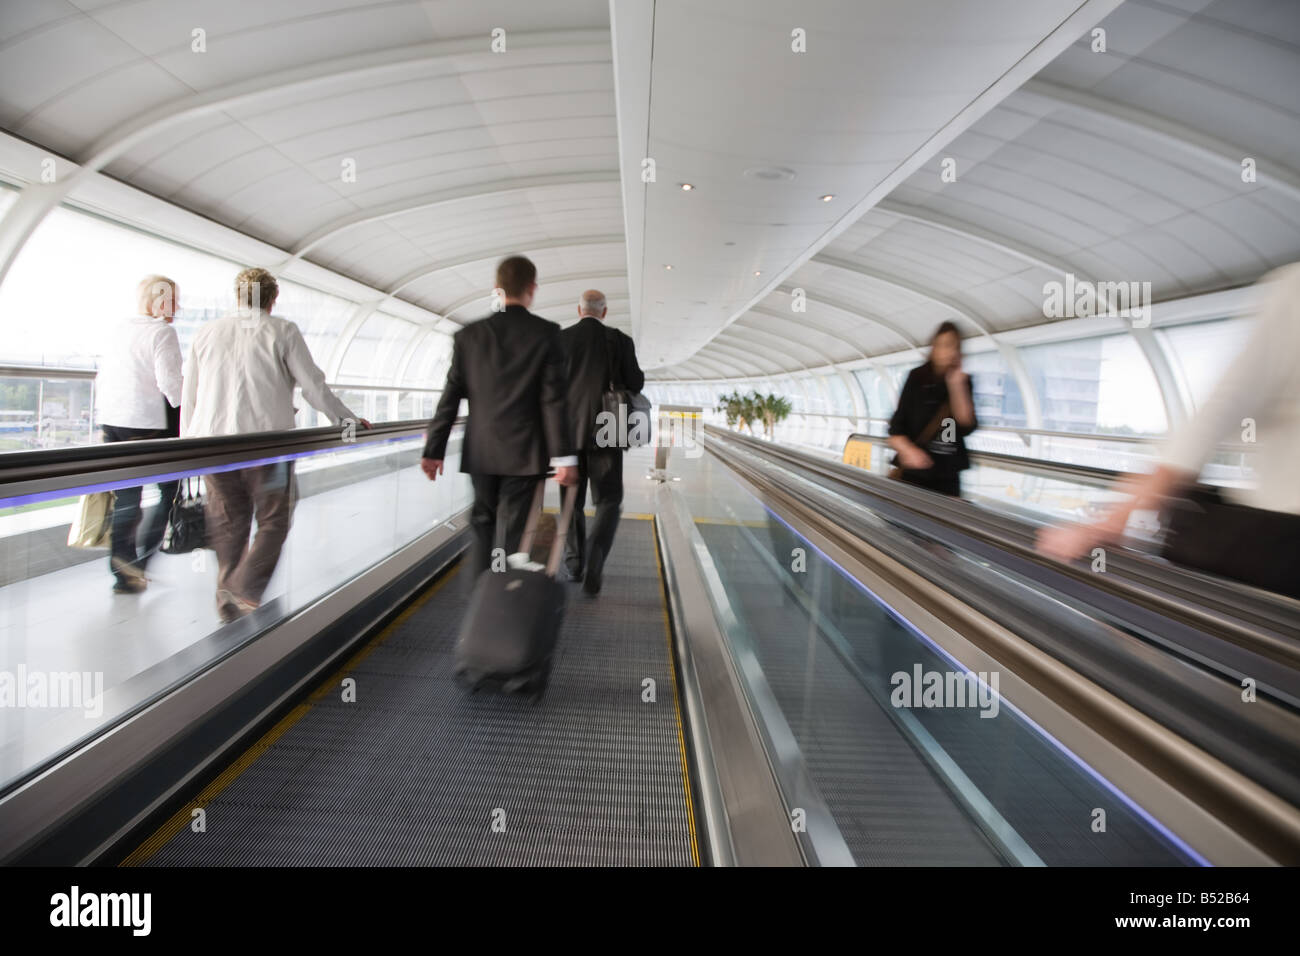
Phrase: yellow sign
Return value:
(857, 452)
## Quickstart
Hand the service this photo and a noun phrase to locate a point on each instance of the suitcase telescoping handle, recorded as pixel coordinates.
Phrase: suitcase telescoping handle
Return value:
(568, 496)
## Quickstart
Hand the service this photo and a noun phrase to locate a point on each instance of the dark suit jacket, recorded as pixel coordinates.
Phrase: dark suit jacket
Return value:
(510, 368)
(588, 346)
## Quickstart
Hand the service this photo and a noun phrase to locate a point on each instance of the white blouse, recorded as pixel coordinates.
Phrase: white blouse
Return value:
(141, 363)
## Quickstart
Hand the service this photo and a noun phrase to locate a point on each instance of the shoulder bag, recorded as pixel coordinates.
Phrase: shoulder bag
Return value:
(925, 437)
(629, 410)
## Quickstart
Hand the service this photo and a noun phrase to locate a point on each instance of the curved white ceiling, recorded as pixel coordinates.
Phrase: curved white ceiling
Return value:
(1123, 165)
(461, 154)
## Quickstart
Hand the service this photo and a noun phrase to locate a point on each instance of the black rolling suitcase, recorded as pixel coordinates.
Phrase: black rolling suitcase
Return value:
(514, 616)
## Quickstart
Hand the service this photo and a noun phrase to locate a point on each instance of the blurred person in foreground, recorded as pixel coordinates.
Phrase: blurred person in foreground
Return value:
(510, 367)
(1249, 534)
(239, 378)
(596, 356)
(137, 390)
(936, 411)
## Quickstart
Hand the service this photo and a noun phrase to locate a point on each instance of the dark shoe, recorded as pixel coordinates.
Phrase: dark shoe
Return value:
(226, 609)
(231, 607)
(130, 579)
(591, 580)
(575, 575)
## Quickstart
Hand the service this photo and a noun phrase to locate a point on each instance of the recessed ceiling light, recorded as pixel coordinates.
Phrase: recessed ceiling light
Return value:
(667, 266)
(687, 187)
(770, 173)
(828, 197)
(757, 273)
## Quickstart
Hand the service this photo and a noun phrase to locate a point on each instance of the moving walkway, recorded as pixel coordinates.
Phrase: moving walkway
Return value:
(733, 696)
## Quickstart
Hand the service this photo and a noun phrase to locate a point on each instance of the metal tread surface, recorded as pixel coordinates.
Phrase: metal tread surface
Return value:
(419, 771)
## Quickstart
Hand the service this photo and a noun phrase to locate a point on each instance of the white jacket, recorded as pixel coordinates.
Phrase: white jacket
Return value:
(241, 373)
(141, 364)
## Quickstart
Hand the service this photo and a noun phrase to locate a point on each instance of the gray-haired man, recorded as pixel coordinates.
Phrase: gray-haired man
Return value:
(595, 355)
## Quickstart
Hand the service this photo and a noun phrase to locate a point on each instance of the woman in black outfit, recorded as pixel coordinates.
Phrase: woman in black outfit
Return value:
(936, 411)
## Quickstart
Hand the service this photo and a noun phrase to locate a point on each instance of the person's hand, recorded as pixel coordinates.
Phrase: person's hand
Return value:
(566, 475)
(956, 378)
(1071, 541)
(915, 459)
(432, 467)
(365, 423)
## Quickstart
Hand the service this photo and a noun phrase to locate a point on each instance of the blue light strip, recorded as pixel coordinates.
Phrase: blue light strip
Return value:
(74, 492)
(1087, 768)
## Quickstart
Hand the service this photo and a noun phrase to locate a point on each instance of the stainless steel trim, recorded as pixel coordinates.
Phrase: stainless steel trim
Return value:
(712, 804)
(345, 387)
(754, 829)
(52, 372)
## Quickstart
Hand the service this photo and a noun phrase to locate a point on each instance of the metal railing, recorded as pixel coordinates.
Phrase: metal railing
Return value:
(69, 419)
(51, 470)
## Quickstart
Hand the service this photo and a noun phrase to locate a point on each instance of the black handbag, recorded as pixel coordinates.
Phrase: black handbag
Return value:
(1251, 545)
(628, 411)
(187, 525)
(924, 438)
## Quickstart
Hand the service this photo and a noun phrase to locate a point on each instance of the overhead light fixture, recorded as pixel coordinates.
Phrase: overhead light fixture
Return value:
(687, 187)
(666, 266)
(757, 273)
(770, 173)
(828, 197)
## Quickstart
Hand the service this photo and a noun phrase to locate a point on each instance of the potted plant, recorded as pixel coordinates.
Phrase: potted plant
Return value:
(775, 409)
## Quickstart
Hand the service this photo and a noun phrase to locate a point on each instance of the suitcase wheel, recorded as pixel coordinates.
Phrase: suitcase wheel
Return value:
(515, 684)
(539, 687)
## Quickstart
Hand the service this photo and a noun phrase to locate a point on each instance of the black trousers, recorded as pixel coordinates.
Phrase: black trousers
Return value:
(603, 468)
(1206, 533)
(503, 499)
(128, 545)
(944, 482)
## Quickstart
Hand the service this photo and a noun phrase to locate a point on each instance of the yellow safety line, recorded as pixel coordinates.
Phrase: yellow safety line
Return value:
(628, 515)
(733, 523)
(677, 711)
(182, 817)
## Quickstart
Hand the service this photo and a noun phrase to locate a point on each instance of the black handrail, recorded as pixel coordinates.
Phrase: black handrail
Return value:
(52, 468)
(1055, 469)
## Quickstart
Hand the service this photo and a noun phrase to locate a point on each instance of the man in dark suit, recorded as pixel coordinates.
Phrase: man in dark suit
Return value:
(511, 369)
(594, 355)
